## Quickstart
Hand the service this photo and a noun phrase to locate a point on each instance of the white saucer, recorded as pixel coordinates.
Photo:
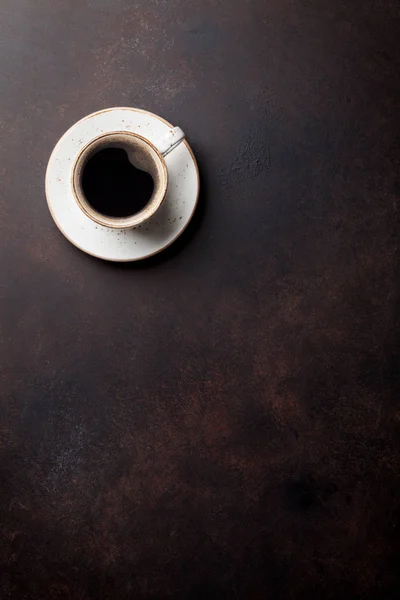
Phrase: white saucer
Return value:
(147, 239)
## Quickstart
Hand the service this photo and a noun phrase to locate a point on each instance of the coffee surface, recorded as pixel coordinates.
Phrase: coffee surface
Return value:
(113, 186)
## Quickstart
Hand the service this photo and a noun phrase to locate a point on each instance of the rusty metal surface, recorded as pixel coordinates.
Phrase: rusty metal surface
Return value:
(221, 422)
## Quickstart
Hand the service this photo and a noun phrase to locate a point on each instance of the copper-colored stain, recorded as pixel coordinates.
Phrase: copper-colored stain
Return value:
(221, 421)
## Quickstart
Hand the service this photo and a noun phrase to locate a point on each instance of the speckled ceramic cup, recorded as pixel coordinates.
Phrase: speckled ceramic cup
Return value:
(142, 154)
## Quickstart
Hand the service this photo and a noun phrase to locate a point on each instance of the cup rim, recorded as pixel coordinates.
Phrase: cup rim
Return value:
(116, 222)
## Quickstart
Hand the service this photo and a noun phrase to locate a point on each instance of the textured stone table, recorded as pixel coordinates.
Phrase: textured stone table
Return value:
(223, 421)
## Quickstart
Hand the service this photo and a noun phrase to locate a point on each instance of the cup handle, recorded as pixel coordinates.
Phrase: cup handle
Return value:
(170, 141)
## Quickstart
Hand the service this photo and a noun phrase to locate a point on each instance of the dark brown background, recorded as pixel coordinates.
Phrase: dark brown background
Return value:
(221, 422)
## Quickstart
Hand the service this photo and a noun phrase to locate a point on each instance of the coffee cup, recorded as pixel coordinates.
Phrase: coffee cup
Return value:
(139, 153)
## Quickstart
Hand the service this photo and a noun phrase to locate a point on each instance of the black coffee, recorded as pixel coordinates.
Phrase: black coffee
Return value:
(113, 186)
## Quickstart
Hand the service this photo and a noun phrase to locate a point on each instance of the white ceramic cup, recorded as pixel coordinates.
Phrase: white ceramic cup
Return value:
(144, 155)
